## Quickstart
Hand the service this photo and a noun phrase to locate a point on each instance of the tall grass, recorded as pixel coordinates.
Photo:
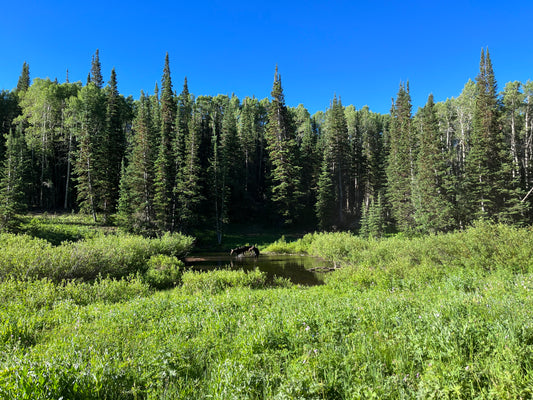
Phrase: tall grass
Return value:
(446, 316)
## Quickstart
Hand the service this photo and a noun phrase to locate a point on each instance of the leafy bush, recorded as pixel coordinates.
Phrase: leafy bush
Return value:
(164, 271)
(116, 256)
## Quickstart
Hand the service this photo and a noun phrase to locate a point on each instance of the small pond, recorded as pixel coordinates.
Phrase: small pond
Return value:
(301, 270)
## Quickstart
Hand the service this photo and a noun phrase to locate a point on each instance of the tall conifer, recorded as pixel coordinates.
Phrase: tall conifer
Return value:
(24, 80)
(433, 210)
(165, 162)
(401, 162)
(96, 71)
(490, 188)
(282, 148)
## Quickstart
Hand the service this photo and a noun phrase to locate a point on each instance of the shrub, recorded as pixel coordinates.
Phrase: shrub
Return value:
(163, 271)
(114, 256)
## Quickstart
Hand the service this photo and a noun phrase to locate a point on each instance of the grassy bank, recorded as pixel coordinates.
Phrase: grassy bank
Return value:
(444, 316)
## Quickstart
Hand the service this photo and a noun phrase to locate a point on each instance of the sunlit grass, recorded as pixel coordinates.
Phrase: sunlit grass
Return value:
(446, 316)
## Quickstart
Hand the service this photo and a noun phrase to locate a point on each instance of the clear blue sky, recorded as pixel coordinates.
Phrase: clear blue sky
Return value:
(359, 50)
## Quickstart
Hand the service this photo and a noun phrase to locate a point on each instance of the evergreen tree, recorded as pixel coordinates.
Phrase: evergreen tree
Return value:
(232, 157)
(282, 149)
(137, 183)
(491, 190)
(90, 113)
(401, 161)
(24, 80)
(165, 164)
(433, 210)
(337, 160)
(373, 219)
(188, 185)
(110, 151)
(325, 202)
(96, 71)
(252, 122)
(12, 179)
(9, 110)
(309, 162)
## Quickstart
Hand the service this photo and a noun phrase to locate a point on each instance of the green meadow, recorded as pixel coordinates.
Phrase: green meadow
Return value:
(90, 313)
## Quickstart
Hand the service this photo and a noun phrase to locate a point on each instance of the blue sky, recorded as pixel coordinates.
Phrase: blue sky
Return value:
(358, 50)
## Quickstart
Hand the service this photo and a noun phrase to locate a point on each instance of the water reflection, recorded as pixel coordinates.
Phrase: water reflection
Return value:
(296, 268)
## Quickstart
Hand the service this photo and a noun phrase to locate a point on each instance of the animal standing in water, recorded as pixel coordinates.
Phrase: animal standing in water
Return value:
(239, 251)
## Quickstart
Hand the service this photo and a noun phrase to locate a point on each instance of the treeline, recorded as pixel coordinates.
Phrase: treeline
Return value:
(175, 162)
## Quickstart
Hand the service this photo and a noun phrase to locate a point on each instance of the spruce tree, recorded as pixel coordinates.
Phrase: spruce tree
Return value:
(137, 183)
(401, 161)
(188, 184)
(164, 203)
(24, 80)
(337, 159)
(110, 151)
(433, 209)
(12, 179)
(90, 113)
(96, 71)
(283, 154)
(491, 191)
(325, 203)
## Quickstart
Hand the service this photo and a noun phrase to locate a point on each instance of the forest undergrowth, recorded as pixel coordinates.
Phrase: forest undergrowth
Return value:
(441, 316)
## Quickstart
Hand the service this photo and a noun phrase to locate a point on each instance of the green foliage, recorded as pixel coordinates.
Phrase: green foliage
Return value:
(400, 166)
(445, 316)
(283, 154)
(116, 256)
(164, 271)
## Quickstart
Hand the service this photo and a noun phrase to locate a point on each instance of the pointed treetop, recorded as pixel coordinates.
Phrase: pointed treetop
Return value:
(96, 70)
(113, 81)
(430, 99)
(24, 79)
(185, 86)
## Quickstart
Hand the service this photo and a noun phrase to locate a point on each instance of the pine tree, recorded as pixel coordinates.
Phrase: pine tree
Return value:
(90, 114)
(137, 183)
(309, 162)
(373, 219)
(337, 160)
(188, 185)
(325, 203)
(401, 162)
(433, 210)
(12, 179)
(96, 71)
(164, 202)
(24, 80)
(232, 157)
(491, 190)
(110, 151)
(283, 154)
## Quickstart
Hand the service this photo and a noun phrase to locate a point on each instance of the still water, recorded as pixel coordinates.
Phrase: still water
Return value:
(299, 269)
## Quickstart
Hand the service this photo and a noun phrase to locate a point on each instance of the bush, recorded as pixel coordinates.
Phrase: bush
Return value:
(114, 256)
(164, 271)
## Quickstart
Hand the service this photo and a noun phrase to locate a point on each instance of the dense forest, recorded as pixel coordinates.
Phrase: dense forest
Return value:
(171, 161)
